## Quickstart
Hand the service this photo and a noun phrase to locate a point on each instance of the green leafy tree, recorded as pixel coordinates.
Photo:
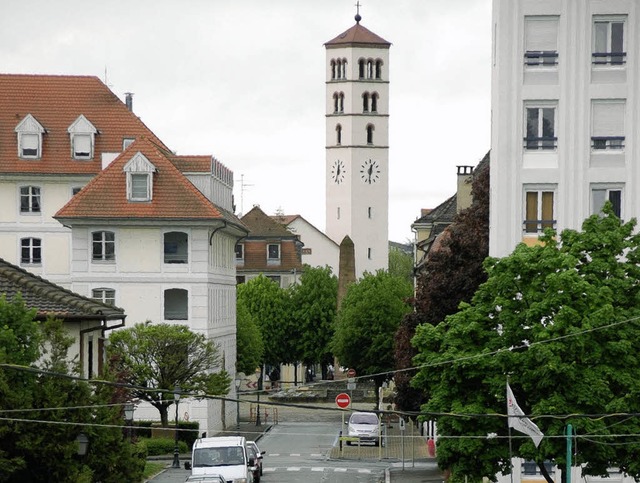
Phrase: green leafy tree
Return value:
(160, 357)
(401, 264)
(314, 305)
(367, 322)
(249, 344)
(40, 445)
(560, 319)
(270, 306)
(451, 274)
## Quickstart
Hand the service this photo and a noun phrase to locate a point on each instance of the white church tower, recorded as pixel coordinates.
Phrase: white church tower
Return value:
(357, 144)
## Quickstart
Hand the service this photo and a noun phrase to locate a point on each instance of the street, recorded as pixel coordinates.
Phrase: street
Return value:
(299, 451)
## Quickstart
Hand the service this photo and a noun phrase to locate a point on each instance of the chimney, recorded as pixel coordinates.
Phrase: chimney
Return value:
(465, 178)
(128, 100)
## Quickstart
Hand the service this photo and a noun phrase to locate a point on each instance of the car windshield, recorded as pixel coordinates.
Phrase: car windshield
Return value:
(203, 457)
(364, 419)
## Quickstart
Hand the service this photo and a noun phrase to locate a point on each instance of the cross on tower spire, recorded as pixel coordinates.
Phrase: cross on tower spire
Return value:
(358, 17)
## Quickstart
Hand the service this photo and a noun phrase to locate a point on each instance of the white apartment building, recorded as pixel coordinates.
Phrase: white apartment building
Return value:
(565, 115)
(92, 200)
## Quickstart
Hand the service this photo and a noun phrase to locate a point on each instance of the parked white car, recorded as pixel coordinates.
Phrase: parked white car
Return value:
(365, 427)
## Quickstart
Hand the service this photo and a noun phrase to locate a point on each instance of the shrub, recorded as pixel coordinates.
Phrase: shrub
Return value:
(160, 446)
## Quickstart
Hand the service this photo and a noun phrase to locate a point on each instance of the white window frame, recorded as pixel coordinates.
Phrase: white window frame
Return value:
(608, 134)
(269, 257)
(81, 130)
(540, 143)
(29, 136)
(179, 315)
(102, 255)
(34, 249)
(536, 226)
(76, 139)
(541, 51)
(137, 167)
(175, 245)
(33, 197)
(606, 59)
(126, 142)
(239, 248)
(29, 129)
(608, 190)
(105, 295)
(134, 189)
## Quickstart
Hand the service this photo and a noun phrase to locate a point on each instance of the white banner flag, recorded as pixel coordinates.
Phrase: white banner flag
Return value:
(522, 424)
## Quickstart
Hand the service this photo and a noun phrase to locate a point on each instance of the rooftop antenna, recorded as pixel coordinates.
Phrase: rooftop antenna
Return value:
(358, 17)
(243, 185)
(106, 81)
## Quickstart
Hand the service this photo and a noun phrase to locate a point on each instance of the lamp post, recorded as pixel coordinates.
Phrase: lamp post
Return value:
(176, 451)
(128, 417)
(83, 444)
(258, 421)
(238, 406)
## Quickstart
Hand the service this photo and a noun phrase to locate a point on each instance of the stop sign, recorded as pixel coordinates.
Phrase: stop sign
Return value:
(343, 400)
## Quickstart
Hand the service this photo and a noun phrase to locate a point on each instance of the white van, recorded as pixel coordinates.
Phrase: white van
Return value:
(226, 456)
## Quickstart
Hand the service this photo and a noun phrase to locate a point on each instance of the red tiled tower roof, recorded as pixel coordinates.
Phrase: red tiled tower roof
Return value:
(357, 35)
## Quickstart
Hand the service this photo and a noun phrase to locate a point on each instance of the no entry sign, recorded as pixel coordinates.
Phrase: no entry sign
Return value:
(343, 400)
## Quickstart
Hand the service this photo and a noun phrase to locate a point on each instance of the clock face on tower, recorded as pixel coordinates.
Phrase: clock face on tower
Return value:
(337, 172)
(370, 171)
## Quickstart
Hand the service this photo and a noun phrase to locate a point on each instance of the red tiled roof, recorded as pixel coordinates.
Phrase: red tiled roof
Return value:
(55, 102)
(262, 225)
(357, 35)
(174, 197)
(284, 219)
(192, 164)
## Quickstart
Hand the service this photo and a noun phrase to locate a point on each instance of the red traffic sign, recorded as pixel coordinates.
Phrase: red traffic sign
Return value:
(351, 373)
(343, 400)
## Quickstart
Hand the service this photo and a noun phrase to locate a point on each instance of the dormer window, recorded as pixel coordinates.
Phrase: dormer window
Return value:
(139, 178)
(82, 135)
(30, 134)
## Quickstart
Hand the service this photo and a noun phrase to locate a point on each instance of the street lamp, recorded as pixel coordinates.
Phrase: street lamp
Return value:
(238, 406)
(129, 408)
(176, 451)
(83, 444)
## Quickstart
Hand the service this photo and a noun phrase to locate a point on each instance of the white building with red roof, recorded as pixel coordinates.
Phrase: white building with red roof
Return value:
(94, 201)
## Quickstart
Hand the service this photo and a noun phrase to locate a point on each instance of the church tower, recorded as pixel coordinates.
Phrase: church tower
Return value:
(357, 144)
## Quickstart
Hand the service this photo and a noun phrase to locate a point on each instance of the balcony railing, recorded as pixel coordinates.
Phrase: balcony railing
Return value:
(544, 142)
(607, 142)
(537, 226)
(609, 58)
(544, 58)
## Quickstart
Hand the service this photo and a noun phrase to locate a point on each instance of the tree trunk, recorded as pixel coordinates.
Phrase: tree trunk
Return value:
(545, 473)
(164, 417)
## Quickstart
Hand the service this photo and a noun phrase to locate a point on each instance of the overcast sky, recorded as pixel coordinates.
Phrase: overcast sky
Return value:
(244, 81)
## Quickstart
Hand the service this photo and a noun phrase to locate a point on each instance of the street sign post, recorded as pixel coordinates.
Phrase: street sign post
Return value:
(343, 400)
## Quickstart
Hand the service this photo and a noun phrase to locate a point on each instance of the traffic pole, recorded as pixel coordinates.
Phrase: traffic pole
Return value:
(569, 451)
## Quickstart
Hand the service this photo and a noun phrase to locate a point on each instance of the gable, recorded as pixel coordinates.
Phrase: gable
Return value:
(139, 164)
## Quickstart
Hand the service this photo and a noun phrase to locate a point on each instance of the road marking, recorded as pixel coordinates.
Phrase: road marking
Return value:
(294, 468)
(315, 468)
(295, 454)
(364, 471)
(340, 470)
